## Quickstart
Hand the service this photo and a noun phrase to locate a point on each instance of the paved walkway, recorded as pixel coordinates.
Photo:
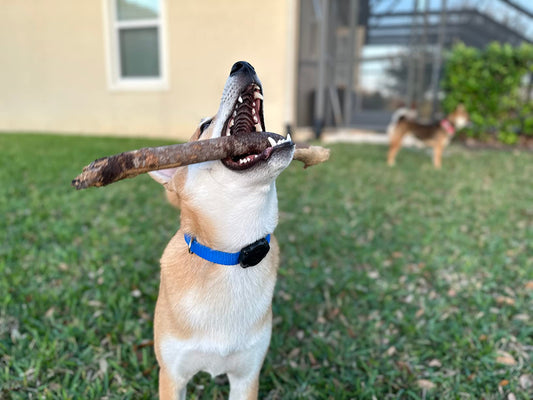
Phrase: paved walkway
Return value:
(353, 136)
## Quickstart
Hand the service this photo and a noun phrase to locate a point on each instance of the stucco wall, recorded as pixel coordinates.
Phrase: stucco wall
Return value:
(53, 71)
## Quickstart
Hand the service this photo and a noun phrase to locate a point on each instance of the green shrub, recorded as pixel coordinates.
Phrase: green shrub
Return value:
(493, 84)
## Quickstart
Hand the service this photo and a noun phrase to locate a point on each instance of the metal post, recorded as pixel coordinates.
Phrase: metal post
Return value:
(358, 47)
(292, 56)
(334, 104)
(422, 58)
(438, 60)
(409, 100)
(354, 17)
(321, 81)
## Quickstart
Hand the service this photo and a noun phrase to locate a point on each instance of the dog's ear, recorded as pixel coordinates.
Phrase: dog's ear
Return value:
(163, 176)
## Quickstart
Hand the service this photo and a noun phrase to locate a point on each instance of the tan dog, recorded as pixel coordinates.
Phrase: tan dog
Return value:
(436, 135)
(213, 313)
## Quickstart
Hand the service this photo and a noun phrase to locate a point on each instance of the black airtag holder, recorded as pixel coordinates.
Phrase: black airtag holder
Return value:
(253, 253)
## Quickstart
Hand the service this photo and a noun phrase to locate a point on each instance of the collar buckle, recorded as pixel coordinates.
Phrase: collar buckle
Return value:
(190, 244)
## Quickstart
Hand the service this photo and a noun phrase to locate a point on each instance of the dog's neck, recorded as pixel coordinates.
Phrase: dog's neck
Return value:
(229, 216)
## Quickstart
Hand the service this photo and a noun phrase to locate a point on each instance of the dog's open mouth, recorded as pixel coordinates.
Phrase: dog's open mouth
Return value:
(247, 118)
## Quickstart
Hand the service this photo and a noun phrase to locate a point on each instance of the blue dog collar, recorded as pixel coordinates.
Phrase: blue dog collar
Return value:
(247, 257)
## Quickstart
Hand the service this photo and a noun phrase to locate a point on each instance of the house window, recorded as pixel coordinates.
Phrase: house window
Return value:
(137, 50)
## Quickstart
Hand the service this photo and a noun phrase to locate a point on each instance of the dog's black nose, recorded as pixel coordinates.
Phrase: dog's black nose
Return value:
(242, 67)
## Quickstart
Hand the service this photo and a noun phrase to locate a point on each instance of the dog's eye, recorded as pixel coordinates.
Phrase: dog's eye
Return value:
(205, 124)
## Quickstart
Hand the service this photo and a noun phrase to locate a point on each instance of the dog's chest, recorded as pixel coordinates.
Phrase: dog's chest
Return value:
(184, 358)
(231, 321)
(230, 302)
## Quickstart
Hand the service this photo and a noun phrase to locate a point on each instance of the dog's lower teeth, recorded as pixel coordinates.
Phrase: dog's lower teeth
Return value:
(271, 141)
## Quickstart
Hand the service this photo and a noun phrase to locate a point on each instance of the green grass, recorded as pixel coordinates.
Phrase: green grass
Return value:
(388, 276)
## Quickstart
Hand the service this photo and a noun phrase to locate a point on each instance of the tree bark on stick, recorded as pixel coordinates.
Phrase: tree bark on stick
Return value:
(107, 170)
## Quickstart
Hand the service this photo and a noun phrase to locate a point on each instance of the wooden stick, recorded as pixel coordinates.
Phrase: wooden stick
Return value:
(111, 169)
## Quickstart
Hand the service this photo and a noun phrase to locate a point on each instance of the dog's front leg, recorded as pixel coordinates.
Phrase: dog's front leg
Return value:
(243, 388)
(170, 390)
(437, 155)
(244, 377)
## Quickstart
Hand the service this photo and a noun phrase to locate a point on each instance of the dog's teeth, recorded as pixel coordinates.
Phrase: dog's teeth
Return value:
(255, 119)
(289, 139)
(258, 95)
(271, 141)
(253, 111)
(240, 99)
(234, 113)
(231, 123)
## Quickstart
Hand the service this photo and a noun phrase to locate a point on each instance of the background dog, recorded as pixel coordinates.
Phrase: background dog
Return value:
(436, 135)
(212, 313)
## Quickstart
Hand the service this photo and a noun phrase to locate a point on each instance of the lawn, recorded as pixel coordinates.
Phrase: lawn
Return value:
(395, 283)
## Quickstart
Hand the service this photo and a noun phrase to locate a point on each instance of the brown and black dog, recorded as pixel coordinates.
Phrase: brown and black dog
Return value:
(436, 135)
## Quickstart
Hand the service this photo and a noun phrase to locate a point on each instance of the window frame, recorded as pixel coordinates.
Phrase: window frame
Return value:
(112, 28)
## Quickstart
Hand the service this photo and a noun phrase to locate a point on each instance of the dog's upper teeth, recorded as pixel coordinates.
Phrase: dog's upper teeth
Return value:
(271, 141)
(255, 119)
(253, 111)
(258, 95)
(231, 122)
(289, 139)
(234, 113)
(240, 99)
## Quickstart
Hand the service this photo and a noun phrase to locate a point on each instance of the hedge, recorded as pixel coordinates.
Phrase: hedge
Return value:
(495, 85)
